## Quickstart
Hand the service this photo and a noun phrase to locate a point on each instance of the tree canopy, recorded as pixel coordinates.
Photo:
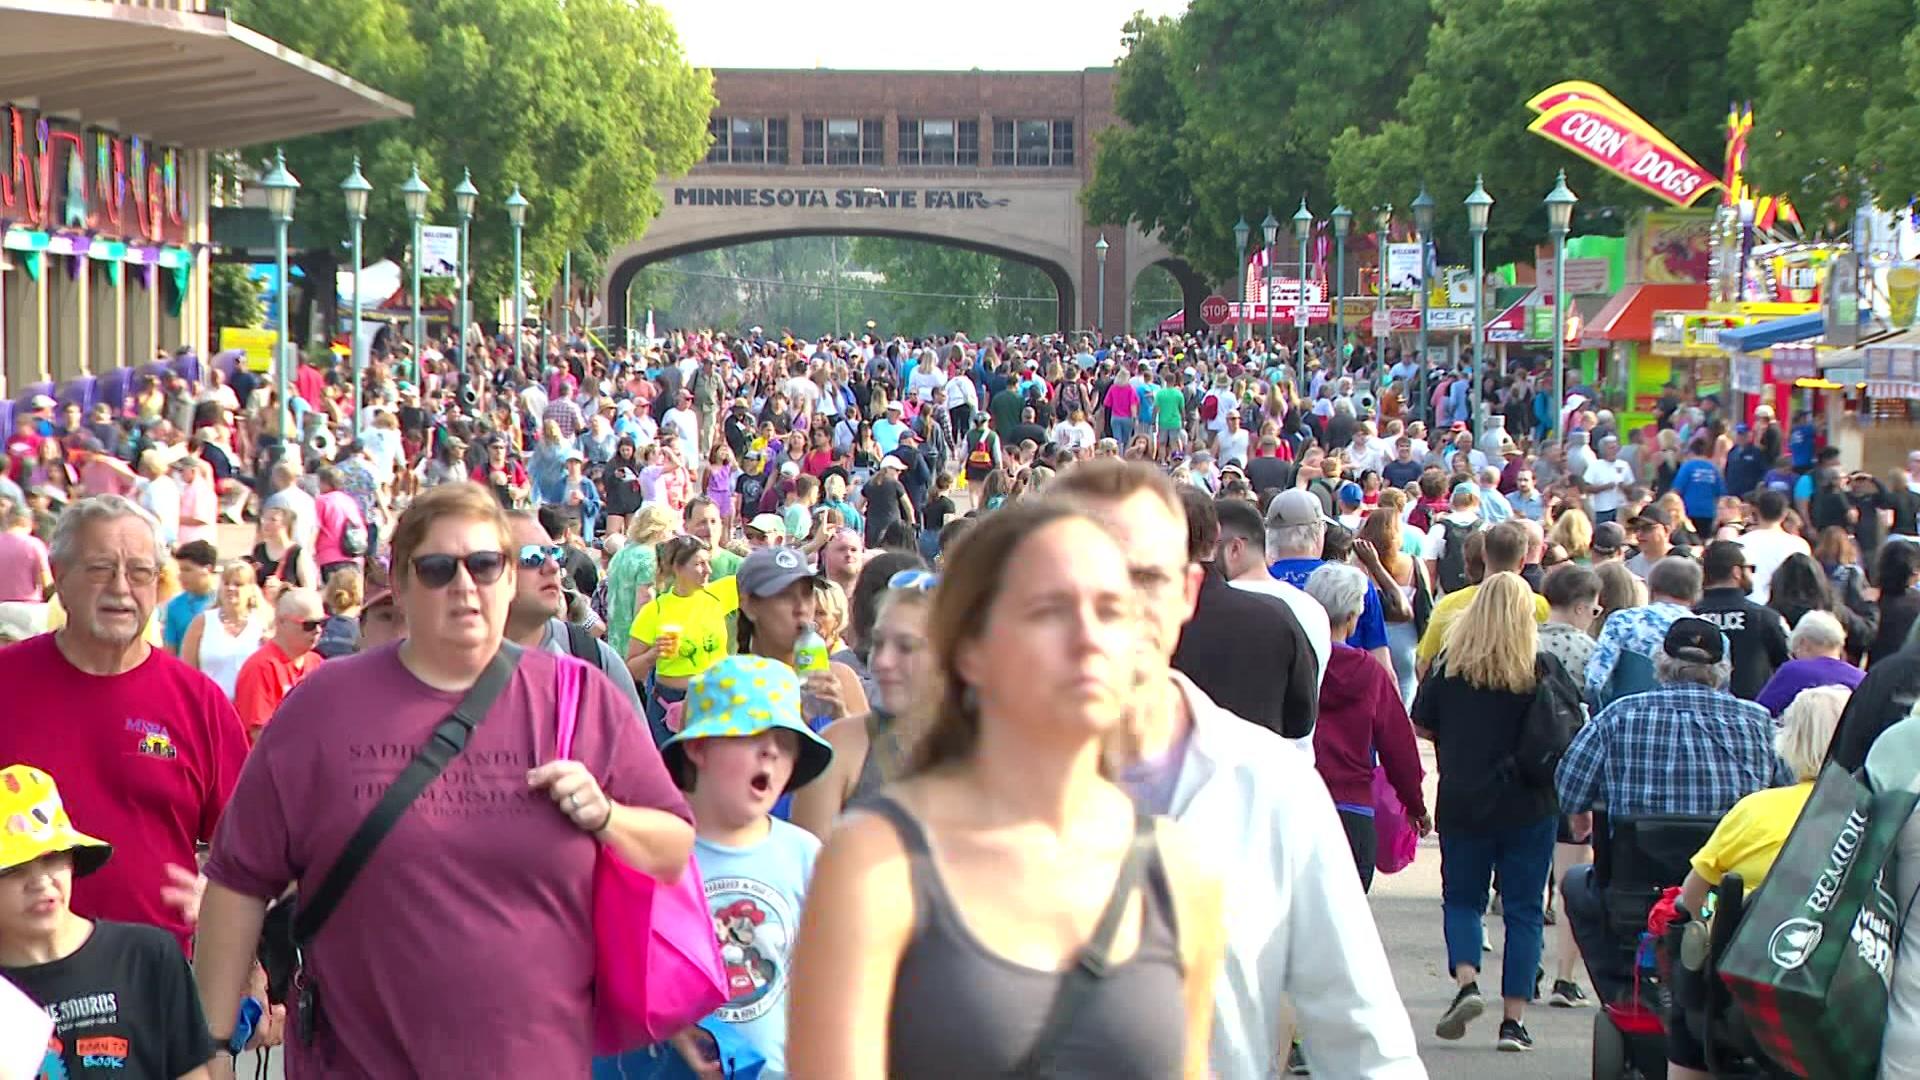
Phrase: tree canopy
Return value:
(583, 105)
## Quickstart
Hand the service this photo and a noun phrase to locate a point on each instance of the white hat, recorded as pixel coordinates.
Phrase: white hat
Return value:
(42, 401)
(894, 463)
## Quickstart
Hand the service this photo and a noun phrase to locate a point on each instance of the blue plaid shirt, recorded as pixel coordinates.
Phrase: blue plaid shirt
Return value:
(1636, 630)
(1677, 749)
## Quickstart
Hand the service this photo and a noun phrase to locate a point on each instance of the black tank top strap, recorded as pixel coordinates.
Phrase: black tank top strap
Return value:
(929, 896)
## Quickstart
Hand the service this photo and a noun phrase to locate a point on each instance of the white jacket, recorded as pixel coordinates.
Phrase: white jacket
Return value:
(1297, 921)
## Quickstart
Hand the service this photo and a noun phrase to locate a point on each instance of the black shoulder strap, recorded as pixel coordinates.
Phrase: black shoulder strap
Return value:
(449, 738)
(580, 644)
(1094, 961)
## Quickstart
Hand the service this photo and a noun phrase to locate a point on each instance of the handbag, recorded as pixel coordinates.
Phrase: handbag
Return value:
(656, 960)
(292, 923)
(1811, 962)
(1397, 841)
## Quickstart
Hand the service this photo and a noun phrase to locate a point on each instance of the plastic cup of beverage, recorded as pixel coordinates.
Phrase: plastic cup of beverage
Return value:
(669, 639)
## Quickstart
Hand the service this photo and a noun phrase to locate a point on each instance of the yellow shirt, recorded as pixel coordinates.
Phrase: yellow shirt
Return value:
(1451, 607)
(702, 619)
(1750, 837)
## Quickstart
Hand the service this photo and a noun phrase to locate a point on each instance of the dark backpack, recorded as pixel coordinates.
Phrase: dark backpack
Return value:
(1547, 729)
(1453, 553)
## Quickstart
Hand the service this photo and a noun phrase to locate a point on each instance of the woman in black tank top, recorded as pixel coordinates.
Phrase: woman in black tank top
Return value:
(1003, 911)
(870, 751)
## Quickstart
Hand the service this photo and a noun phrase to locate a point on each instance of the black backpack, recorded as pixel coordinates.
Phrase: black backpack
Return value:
(1547, 730)
(1453, 553)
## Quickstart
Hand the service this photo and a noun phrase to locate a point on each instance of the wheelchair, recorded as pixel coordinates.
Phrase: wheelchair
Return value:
(1636, 859)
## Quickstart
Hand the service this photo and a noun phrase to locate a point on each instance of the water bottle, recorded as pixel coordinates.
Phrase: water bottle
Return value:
(810, 651)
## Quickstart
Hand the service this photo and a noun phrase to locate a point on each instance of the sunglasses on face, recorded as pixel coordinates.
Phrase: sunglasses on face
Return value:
(311, 626)
(917, 580)
(437, 571)
(533, 556)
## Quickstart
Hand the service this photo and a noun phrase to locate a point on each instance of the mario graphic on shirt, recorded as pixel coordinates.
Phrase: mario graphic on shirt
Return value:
(755, 927)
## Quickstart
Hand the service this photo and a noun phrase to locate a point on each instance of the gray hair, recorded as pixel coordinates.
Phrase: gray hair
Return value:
(297, 602)
(98, 508)
(1340, 588)
(1806, 727)
(1675, 576)
(1296, 541)
(1819, 629)
(1671, 669)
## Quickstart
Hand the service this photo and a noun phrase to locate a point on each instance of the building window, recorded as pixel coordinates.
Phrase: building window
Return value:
(1033, 143)
(842, 142)
(939, 142)
(747, 140)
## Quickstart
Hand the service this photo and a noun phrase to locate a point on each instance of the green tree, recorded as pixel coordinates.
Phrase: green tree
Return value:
(234, 297)
(933, 288)
(1465, 111)
(583, 105)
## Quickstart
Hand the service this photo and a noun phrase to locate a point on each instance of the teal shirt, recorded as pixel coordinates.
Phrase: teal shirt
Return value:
(179, 616)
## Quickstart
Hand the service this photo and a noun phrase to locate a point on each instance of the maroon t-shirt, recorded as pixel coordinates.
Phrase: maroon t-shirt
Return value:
(144, 760)
(465, 947)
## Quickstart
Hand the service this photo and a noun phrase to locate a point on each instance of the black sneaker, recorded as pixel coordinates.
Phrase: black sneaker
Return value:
(1467, 1006)
(1514, 1037)
(1568, 995)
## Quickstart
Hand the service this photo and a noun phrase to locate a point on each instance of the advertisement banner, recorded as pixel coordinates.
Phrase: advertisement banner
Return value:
(1676, 247)
(439, 251)
(1628, 148)
(1403, 268)
(1583, 276)
(258, 345)
(1576, 90)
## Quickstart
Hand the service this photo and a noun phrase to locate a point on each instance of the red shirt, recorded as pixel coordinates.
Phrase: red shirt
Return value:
(263, 683)
(311, 385)
(145, 760)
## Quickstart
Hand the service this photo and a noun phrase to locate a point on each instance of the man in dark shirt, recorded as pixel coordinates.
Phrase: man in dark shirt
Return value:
(1756, 633)
(1247, 650)
(1266, 471)
(916, 474)
(1403, 469)
(1028, 429)
(1007, 406)
(886, 500)
(1747, 463)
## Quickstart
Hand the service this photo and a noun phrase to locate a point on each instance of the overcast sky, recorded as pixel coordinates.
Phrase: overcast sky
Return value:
(1026, 35)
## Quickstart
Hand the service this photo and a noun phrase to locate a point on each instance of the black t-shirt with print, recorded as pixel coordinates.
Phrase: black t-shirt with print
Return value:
(123, 1005)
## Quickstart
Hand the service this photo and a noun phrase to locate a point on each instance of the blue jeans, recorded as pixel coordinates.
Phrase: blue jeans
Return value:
(1122, 430)
(1523, 856)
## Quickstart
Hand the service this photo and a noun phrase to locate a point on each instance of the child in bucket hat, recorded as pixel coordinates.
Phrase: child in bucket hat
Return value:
(742, 746)
(121, 995)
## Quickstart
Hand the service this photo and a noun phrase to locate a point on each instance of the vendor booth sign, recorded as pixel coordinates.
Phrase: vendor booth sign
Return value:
(1592, 123)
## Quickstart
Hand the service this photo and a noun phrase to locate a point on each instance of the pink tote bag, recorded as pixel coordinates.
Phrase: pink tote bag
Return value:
(656, 965)
(1397, 842)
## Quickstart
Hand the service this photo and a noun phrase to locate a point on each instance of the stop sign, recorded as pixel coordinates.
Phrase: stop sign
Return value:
(1214, 310)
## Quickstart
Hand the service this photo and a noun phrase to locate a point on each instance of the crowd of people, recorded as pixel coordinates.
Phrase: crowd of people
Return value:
(955, 668)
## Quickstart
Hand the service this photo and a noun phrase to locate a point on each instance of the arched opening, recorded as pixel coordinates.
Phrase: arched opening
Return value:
(820, 280)
(1193, 290)
(1156, 297)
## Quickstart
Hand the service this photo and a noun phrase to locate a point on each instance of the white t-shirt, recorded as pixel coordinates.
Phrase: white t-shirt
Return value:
(1766, 549)
(1072, 436)
(1233, 446)
(960, 391)
(1601, 471)
(803, 393)
(925, 380)
(1313, 617)
(688, 427)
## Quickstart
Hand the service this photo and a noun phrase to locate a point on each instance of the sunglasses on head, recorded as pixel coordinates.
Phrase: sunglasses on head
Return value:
(917, 580)
(437, 571)
(532, 556)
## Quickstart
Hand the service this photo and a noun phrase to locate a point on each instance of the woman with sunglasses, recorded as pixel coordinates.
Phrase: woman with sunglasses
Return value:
(490, 870)
(869, 751)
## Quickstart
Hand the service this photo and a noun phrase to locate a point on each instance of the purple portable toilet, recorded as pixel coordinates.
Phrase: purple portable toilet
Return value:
(114, 387)
(80, 391)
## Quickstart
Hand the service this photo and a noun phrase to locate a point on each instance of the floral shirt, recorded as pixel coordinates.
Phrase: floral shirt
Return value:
(631, 567)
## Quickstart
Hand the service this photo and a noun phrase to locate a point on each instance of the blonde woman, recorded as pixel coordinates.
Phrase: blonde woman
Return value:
(221, 638)
(631, 571)
(1472, 706)
(1573, 531)
(940, 925)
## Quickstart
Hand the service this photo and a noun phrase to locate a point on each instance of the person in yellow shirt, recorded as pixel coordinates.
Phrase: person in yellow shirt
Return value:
(682, 631)
(1500, 548)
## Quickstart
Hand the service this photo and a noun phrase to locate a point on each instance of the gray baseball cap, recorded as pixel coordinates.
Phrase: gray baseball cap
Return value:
(769, 571)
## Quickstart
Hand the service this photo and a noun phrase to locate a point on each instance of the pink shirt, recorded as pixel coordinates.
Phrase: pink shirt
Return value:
(335, 510)
(466, 946)
(23, 566)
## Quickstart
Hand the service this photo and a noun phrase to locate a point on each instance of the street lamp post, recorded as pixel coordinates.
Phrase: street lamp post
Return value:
(1302, 231)
(566, 300)
(1100, 257)
(354, 191)
(1560, 202)
(1270, 228)
(1240, 231)
(1423, 234)
(1479, 207)
(1342, 222)
(281, 186)
(1747, 210)
(464, 197)
(1382, 222)
(414, 194)
(517, 215)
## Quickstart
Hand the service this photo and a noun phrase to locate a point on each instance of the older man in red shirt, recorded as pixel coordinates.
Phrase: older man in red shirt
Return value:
(281, 661)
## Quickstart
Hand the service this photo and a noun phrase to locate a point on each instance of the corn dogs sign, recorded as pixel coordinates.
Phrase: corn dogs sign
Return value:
(1595, 125)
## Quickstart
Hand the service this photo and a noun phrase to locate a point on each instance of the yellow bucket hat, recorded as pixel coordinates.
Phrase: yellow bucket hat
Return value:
(34, 822)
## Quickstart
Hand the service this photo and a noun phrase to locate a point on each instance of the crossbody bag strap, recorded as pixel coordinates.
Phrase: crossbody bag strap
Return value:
(1094, 961)
(449, 738)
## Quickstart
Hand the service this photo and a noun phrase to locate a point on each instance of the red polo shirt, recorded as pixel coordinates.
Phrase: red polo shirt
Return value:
(264, 682)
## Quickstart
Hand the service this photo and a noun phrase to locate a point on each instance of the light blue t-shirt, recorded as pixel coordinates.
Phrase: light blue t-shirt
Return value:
(177, 618)
(755, 894)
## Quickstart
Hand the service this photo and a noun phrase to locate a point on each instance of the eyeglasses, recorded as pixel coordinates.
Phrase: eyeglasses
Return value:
(533, 556)
(101, 573)
(917, 580)
(311, 626)
(437, 571)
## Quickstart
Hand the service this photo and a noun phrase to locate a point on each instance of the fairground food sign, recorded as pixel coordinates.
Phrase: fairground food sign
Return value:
(872, 198)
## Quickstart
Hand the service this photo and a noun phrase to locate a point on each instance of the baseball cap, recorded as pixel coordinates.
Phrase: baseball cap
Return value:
(767, 524)
(770, 570)
(789, 468)
(1695, 640)
(1295, 506)
(1650, 514)
(41, 401)
(1351, 494)
(1609, 537)
(894, 463)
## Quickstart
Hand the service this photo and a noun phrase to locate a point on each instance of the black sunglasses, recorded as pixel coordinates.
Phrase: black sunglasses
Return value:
(437, 571)
(312, 625)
